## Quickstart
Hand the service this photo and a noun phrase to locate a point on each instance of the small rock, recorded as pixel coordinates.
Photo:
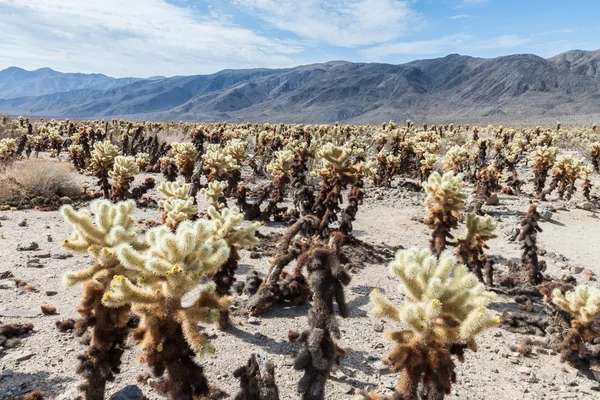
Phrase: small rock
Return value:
(7, 284)
(253, 321)
(586, 205)
(18, 313)
(129, 392)
(49, 238)
(288, 362)
(20, 355)
(71, 394)
(576, 270)
(28, 246)
(378, 327)
(34, 263)
(51, 293)
(492, 200)
(23, 223)
(43, 255)
(61, 256)
(588, 275)
(66, 200)
(546, 214)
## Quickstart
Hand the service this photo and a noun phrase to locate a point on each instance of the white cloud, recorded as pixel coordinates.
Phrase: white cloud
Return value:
(461, 16)
(461, 42)
(343, 23)
(131, 37)
(473, 2)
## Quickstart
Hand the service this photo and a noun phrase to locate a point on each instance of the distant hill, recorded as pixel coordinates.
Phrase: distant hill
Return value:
(16, 82)
(453, 88)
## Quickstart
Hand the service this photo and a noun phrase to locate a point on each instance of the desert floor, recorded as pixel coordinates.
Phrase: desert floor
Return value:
(46, 359)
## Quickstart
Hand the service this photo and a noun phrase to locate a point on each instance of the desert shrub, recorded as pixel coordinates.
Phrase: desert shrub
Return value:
(37, 181)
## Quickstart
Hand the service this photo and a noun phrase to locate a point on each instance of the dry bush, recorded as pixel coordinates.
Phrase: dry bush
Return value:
(37, 178)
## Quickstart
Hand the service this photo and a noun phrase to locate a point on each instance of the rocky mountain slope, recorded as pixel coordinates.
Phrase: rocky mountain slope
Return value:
(453, 88)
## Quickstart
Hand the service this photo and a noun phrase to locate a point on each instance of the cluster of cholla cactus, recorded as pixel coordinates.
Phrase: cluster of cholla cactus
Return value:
(469, 249)
(99, 232)
(173, 264)
(445, 201)
(176, 205)
(444, 310)
(565, 172)
(582, 305)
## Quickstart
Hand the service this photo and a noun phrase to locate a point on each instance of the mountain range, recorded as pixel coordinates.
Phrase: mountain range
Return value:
(455, 88)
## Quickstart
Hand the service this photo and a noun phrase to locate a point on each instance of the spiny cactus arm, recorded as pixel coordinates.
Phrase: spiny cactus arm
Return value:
(382, 308)
(83, 223)
(476, 322)
(214, 192)
(74, 277)
(123, 292)
(226, 226)
(175, 189)
(583, 302)
(197, 341)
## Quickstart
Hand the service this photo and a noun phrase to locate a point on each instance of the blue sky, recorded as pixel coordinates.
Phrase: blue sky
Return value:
(182, 37)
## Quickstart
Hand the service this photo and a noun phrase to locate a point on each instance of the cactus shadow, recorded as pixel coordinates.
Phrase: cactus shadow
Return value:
(22, 383)
(362, 299)
(266, 343)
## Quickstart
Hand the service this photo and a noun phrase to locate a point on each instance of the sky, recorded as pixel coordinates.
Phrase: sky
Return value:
(144, 38)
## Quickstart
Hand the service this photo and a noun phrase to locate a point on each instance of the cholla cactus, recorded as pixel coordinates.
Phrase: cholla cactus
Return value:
(8, 150)
(528, 237)
(444, 310)
(168, 168)
(337, 172)
(185, 159)
(388, 165)
(142, 160)
(110, 226)
(543, 159)
(595, 156)
(236, 148)
(456, 159)
(174, 264)
(77, 156)
(281, 169)
(102, 161)
(215, 194)
(227, 225)
(586, 186)
(583, 305)
(178, 205)
(470, 248)
(124, 170)
(219, 165)
(56, 142)
(565, 172)
(445, 200)
(488, 181)
(428, 163)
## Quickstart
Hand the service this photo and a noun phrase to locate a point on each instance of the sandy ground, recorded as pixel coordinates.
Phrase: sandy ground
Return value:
(48, 357)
